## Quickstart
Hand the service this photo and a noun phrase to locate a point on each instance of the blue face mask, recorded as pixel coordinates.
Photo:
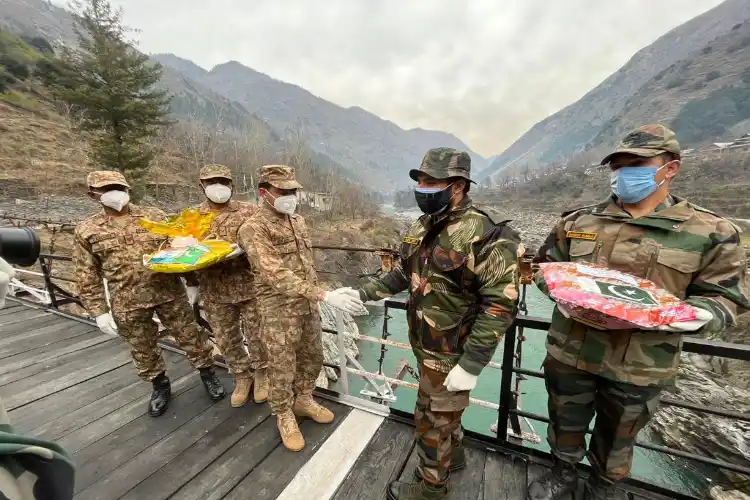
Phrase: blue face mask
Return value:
(633, 184)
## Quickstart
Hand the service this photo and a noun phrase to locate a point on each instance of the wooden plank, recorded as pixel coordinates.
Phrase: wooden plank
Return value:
(33, 375)
(27, 315)
(163, 482)
(57, 405)
(71, 420)
(216, 480)
(504, 477)
(100, 428)
(12, 308)
(467, 484)
(273, 474)
(407, 471)
(110, 452)
(53, 386)
(129, 474)
(379, 464)
(48, 334)
(28, 326)
(52, 351)
(327, 469)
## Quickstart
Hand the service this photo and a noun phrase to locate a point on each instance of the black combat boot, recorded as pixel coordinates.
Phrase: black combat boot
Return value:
(211, 383)
(160, 396)
(559, 483)
(419, 490)
(601, 489)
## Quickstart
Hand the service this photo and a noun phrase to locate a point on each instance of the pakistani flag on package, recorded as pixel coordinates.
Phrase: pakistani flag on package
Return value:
(611, 300)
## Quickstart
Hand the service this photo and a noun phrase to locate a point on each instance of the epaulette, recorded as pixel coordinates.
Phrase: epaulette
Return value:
(578, 209)
(707, 211)
(496, 217)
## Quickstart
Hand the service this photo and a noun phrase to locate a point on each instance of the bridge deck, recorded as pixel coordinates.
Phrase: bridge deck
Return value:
(65, 381)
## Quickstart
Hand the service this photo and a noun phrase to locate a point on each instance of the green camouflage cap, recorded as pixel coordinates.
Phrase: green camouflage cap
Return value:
(647, 141)
(279, 176)
(442, 163)
(214, 171)
(101, 178)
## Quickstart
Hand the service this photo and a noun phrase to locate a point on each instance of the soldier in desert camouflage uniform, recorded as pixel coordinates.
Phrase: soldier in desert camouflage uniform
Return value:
(111, 246)
(459, 265)
(644, 231)
(278, 245)
(228, 291)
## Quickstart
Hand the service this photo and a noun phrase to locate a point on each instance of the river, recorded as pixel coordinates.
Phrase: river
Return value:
(648, 465)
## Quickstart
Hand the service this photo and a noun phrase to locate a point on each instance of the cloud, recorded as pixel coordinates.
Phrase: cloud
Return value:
(484, 70)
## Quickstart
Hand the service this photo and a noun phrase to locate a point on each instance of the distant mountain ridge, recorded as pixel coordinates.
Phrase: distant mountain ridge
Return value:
(356, 138)
(579, 125)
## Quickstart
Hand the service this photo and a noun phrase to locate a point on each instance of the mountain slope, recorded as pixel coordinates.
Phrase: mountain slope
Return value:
(572, 128)
(356, 138)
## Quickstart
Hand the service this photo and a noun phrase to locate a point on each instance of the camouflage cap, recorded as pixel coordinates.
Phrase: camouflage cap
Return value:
(279, 176)
(101, 178)
(647, 141)
(442, 163)
(214, 171)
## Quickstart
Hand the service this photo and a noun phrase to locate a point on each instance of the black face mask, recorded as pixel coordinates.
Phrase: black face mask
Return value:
(433, 200)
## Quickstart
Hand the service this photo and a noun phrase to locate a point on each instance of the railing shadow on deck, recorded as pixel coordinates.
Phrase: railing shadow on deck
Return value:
(509, 437)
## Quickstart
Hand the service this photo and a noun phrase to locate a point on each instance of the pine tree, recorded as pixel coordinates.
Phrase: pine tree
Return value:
(111, 87)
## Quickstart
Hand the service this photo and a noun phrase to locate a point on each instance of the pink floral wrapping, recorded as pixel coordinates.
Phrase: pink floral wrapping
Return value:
(611, 300)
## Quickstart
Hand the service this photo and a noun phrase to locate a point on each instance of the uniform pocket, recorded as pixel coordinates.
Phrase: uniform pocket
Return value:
(674, 269)
(286, 247)
(440, 330)
(582, 250)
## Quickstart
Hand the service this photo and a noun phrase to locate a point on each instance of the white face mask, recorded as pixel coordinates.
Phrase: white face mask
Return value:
(285, 204)
(218, 193)
(116, 200)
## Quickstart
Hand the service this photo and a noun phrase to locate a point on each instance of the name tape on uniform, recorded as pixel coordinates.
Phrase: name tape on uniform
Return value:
(580, 235)
(411, 241)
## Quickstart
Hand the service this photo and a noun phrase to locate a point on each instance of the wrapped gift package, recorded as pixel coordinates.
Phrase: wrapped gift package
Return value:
(611, 300)
(190, 251)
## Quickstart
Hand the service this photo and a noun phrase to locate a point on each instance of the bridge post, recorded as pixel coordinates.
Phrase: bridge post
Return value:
(342, 351)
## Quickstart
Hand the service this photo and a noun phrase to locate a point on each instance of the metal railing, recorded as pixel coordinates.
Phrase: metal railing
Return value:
(509, 433)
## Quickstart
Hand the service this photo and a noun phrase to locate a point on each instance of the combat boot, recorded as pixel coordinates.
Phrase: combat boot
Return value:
(559, 483)
(211, 383)
(260, 393)
(419, 490)
(160, 396)
(458, 461)
(305, 406)
(243, 382)
(289, 430)
(601, 489)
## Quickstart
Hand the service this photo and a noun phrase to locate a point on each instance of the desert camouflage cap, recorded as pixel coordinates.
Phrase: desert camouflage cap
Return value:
(442, 163)
(214, 171)
(279, 176)
(647, 141)
(101, 178)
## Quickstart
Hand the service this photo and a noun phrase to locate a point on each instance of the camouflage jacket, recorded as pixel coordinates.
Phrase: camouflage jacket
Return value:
(463, 288)
(230, 281)
(685, 249)
(32, 469)
(280, 252)
(113, 248)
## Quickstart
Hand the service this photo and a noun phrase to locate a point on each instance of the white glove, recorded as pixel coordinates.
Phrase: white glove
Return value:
(459, 379)
(7, 273)
(192, 294)
(703, 317)
(348, 291)
(106, 324)
(236, 252)
(345, 302)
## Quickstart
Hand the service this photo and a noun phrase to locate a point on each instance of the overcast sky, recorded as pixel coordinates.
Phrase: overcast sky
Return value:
(484, 70)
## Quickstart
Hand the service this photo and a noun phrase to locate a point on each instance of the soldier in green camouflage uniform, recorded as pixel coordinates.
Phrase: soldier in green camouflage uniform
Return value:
(647, 232)
(110, 246)
(228, 291)
(459, 265)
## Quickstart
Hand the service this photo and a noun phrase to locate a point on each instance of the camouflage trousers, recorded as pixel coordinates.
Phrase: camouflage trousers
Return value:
(437, 416)
(622, 410)
(142, 333)
(295, 356)
(225, 323)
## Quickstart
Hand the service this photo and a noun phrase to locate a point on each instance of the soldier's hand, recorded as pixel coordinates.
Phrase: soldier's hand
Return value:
(236, 252)
(192, 295)
(349, 291)
(703, 317)
(459, 379)
(7, 273)
(345, 302)
(106, 324)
